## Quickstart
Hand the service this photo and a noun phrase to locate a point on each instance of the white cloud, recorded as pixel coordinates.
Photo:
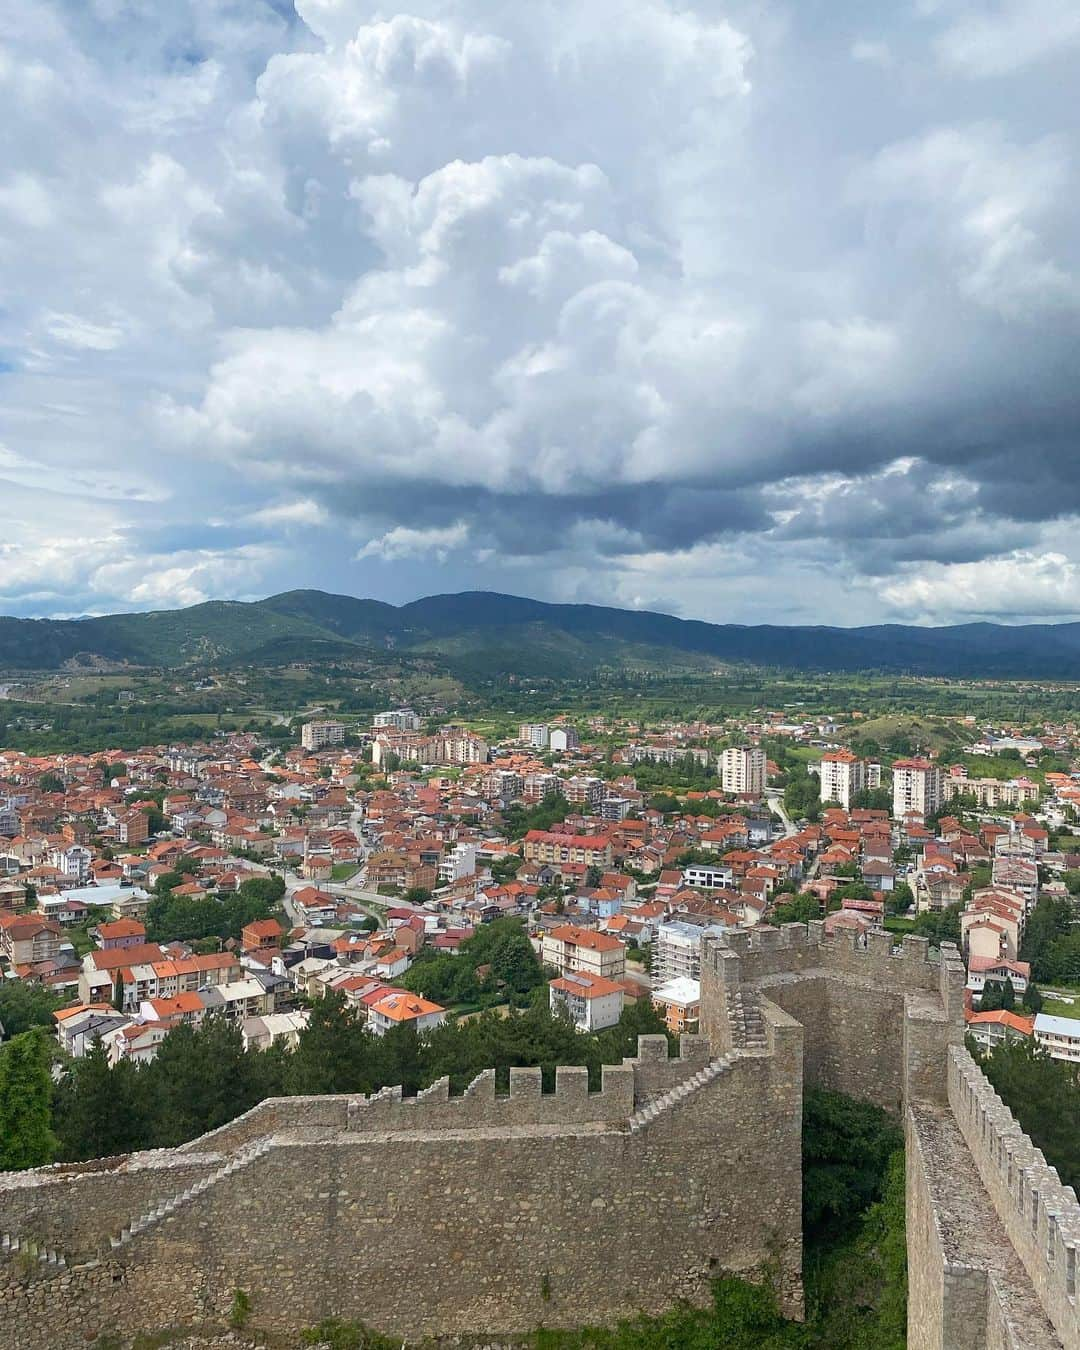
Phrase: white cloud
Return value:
(1020, 584)
(71, 330)
(602, 300)
(303, 512)
(873, 53)
(1001, 38)
(986, 198)
(403, 542)
(26, 199)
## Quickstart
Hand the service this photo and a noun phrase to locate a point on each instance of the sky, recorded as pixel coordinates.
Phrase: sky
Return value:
(749, 312)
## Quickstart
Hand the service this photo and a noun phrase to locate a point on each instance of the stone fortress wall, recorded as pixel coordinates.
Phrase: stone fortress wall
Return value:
(429, 1215)
(488, 1213)
(993, 1236)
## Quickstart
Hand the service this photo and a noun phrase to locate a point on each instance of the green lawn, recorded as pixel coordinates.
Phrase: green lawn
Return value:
(1059, 1007)
(342, 871)
(809, 754)
(78, 933)
(895, 924)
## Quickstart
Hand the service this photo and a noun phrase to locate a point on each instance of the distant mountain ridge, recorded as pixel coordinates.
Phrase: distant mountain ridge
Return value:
(483, 631)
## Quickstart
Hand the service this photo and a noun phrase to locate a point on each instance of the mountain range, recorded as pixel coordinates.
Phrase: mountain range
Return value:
(479, 632)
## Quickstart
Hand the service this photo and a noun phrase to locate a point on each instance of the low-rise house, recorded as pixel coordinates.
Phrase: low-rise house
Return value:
(119, 934)
(678, 1002)
(137, 1041)
(239, 999)
(26, 938)
(1059, 1037)
(570, 949)
(260, 1033)
(80, 1028)
(397, 1009)
(989, 1029)
(179, 1008)
(313, 906)
(985, 968)
(260, 935)
(591, 1002)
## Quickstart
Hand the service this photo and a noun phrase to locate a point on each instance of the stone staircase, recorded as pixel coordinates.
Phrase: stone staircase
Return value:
(677, 1094)
(13, 1246)
(163, 1209)
(744, 1015)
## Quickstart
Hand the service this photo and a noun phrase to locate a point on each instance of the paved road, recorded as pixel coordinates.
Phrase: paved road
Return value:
(775, 798)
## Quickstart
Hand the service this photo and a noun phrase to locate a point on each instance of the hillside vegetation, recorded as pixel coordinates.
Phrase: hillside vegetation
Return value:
(506, 634)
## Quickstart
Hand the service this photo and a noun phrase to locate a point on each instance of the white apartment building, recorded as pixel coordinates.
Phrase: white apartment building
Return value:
(573, 950)
(1059, 1037)
(399, 719)
(504, 784)
(534, 734)
(563, 739)
(664, 754)
(73, 862)
(614, 808)
(318, 735)
(536, 786)
(843, 775)
(993, 792)
(459, 862)
(592, 1002)
(462, 747)
(917, 786)
(584, 790)
(742, 770)
(676, 950)
(705, 877)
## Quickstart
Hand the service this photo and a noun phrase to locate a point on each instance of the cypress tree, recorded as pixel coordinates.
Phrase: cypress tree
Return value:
(26, 1137)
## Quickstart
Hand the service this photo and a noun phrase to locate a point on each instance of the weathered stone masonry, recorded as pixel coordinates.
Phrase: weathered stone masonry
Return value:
(436, 1214)
(993, 1237)
(491, 1213)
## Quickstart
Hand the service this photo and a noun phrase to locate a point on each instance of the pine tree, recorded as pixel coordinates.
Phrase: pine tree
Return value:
(199, 1080)
(1008, 995)
(991, 996)
(334, 1053)
(26, 1139)
(100, 1111)
(1033, 999)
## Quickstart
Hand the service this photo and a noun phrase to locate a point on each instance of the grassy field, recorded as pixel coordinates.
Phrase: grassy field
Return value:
(894, 924)
(902, 734)
(1061, 1001)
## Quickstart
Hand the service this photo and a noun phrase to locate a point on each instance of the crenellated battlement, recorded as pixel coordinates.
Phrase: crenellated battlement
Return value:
(624, 1089)
(1041, 1217)
(544, 1174)
(75, 1208)
(764, 950)
(543, 1178)
(808, 972)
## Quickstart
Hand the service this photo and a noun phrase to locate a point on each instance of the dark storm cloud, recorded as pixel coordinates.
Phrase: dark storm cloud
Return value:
(651, 292)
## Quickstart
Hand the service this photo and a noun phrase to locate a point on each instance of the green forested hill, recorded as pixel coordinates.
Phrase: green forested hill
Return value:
(480, 631)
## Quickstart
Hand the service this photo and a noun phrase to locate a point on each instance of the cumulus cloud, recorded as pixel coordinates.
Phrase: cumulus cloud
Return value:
(994, 40)
(730, 308)
(403, 542)
(1035, 585)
